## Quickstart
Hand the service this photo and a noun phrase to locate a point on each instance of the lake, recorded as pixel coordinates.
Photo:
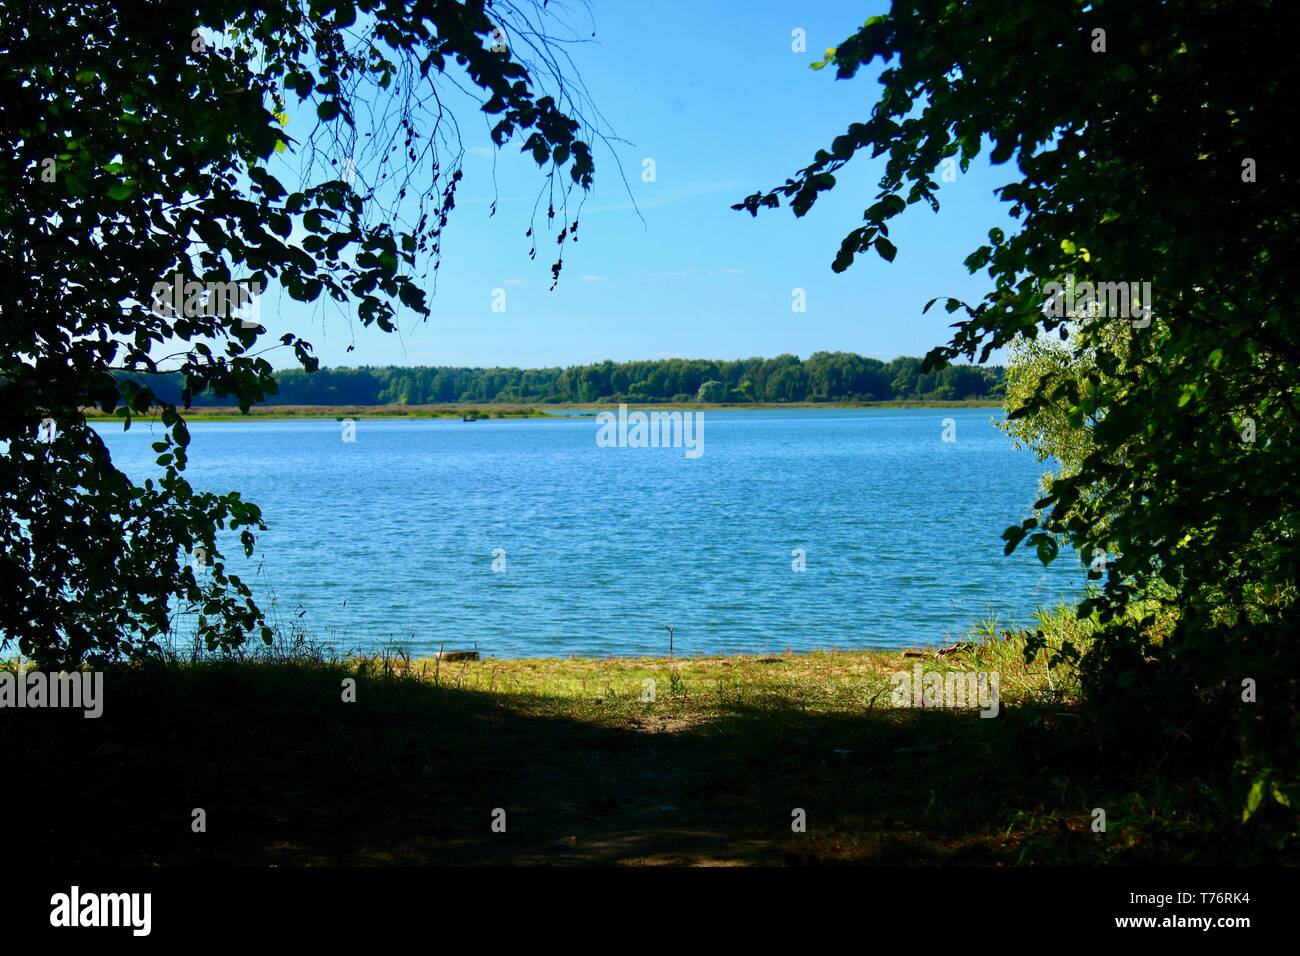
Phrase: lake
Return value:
(393, 537)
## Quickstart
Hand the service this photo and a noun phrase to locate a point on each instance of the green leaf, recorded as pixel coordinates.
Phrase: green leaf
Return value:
(1253, 799)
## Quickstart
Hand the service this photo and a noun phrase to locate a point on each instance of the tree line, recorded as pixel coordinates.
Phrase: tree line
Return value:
(822, 377)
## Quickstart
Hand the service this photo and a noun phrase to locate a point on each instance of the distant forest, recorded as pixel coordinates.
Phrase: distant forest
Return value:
(822, 377)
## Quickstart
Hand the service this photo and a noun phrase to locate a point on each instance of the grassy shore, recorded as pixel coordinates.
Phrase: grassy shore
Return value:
(272, 412)
(493, 410)
(588, 770)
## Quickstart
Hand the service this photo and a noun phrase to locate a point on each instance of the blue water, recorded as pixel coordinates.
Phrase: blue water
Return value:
(391, 538)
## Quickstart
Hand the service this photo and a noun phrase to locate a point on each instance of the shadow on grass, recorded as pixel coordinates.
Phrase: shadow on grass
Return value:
(288, 774)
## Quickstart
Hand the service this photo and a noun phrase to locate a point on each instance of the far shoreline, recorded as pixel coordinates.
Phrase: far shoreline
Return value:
(500, 410)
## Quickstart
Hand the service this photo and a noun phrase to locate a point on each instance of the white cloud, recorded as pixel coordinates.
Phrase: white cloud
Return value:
(654, 195)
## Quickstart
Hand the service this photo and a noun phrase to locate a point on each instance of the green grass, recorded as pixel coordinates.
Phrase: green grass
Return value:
(767, 406)
(709, 772)
(494, 410)
(269, 412)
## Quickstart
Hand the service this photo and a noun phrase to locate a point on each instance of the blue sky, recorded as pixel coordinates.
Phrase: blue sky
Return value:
(714, 94)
